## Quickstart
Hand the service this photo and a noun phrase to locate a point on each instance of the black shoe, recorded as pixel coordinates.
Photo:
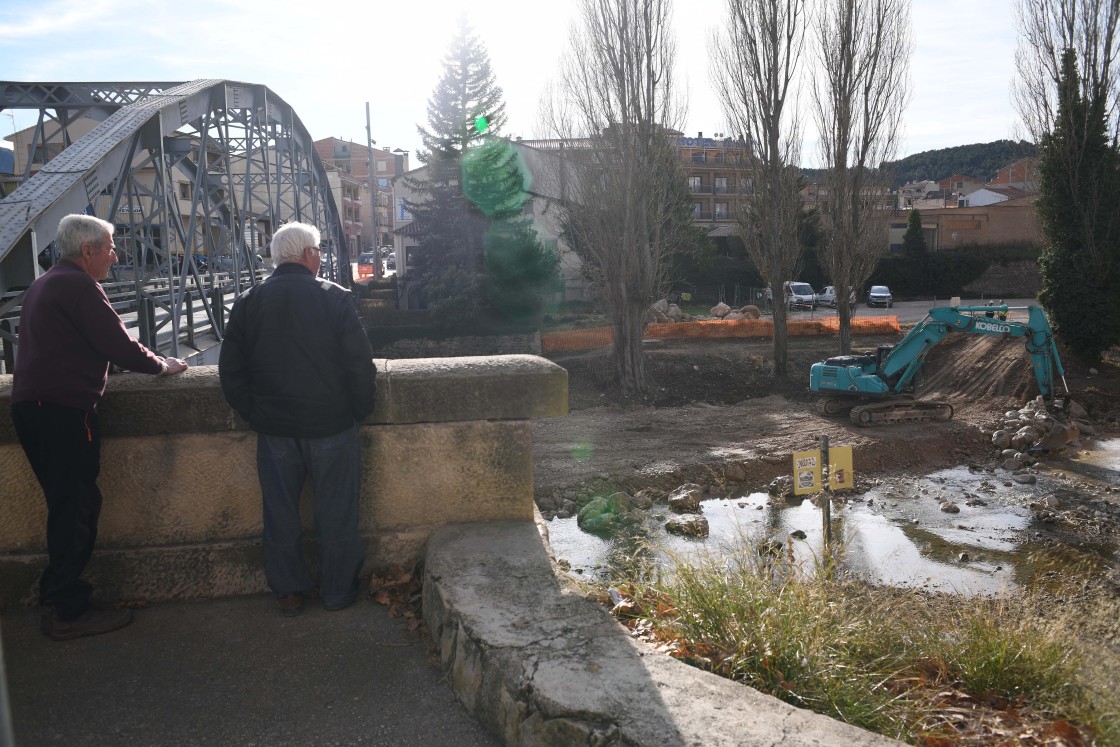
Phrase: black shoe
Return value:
(290, 604)
(94, 621)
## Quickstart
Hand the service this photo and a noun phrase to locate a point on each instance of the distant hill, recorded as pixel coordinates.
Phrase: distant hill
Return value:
(981, 160)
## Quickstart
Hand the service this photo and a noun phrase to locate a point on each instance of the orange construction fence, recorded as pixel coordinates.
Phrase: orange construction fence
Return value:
(586, 339)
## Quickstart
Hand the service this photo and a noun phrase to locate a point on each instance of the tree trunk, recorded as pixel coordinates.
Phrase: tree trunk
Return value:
(628, 331)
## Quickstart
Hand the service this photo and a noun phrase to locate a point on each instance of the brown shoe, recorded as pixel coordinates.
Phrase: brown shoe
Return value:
(290, 604)
(94, 621)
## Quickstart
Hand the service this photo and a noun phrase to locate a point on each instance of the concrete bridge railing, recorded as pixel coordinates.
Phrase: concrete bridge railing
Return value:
(449, 442)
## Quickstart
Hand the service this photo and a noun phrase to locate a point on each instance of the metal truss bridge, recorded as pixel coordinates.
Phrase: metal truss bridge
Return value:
(196, 176)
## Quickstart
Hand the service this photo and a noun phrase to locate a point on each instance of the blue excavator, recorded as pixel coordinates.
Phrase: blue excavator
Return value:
(878, 388)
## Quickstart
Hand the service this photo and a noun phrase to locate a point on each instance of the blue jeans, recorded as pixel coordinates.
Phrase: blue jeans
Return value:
(334, 464)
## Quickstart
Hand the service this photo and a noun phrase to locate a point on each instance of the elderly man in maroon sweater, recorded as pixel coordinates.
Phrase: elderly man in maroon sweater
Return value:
(68, 336)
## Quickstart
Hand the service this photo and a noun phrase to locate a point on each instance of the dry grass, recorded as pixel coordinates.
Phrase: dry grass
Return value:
(928, 669)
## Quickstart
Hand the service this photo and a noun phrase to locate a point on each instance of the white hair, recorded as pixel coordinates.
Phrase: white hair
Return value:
(77, 229)
(291, 239)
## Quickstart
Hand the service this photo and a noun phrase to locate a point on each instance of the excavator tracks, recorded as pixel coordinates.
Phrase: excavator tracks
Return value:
(911, 411)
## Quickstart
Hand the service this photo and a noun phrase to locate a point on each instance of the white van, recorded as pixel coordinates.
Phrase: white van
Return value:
(827, 297)
(799, 295)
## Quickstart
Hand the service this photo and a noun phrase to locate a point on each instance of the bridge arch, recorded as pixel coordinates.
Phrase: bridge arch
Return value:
(196, 176)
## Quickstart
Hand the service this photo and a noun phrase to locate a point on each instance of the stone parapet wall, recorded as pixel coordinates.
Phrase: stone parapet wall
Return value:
(529, 343)
(449, 441)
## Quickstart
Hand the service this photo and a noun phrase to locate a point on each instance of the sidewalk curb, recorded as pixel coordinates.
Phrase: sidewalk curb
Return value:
(538, 664)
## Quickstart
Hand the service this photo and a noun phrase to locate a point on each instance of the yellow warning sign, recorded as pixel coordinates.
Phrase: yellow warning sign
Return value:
(806, 472)
(840, 475)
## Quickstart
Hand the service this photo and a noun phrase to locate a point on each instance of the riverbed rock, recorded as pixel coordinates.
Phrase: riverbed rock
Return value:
(642, 500)
(780, 487)
(1012, 464)
(606, 515)
(688, 525)
(686, 498)
(1001, 439)
(1025, 479)
(735, 473)
(950, 508)
(798, 534)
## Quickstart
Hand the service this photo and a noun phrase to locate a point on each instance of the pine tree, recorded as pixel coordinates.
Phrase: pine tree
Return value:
(1079, 189)
(465, 107)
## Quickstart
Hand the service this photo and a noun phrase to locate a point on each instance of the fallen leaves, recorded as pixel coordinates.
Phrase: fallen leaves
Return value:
(399, 589)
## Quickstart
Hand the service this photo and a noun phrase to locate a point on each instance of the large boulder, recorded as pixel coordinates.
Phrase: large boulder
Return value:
(674, 313)
(750, 311)
(690, 525)
(720, 310)
(686, 498)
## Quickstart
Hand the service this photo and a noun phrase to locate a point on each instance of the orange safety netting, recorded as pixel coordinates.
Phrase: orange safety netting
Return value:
(586, 339)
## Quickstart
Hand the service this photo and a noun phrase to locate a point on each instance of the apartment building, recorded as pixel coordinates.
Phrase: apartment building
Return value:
(355, 159)
(719, 177)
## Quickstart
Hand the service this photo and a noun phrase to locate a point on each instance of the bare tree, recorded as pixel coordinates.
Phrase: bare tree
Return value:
(627, 206)
(1046, 29)
(753, 65)
(862, 88)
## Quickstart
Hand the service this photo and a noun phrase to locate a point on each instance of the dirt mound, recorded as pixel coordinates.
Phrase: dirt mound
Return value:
(979, 371)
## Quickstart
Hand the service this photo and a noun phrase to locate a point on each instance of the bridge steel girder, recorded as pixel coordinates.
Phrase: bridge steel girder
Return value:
(187, 171)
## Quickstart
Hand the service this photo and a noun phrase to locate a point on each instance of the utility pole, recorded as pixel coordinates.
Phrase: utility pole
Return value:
(374, 204)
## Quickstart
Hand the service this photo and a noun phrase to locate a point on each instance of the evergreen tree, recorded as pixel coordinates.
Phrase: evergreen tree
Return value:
(520, 270)
(914, 241)
(465, 106)
(1079, 190)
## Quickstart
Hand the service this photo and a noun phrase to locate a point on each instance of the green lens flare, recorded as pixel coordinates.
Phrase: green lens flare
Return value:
(481, 124)
(581, 452)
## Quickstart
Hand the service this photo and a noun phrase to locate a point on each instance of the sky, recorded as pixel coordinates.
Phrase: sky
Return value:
(328, 58)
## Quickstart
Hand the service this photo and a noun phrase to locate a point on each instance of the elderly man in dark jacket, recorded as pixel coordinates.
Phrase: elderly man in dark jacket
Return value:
(297, 365)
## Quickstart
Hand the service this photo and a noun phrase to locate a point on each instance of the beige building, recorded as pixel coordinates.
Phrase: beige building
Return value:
(1011, 221)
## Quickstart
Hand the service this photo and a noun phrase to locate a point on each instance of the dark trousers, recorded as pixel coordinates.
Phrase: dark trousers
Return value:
(63, 445)
(334, 466)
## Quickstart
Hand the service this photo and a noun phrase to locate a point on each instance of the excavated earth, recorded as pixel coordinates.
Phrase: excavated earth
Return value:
(714, 404)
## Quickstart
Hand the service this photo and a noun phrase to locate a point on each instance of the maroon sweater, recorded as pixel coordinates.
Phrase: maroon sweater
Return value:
(68, 336)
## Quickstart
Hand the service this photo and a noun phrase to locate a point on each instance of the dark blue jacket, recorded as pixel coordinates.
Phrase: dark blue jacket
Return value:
(295, 361)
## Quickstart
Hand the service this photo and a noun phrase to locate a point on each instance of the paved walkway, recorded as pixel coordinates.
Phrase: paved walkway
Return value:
(233, 672)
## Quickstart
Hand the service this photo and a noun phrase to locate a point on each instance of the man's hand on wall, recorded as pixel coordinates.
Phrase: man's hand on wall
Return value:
(172, 366)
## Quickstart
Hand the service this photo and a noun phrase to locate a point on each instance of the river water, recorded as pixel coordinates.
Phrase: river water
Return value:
(896, 533)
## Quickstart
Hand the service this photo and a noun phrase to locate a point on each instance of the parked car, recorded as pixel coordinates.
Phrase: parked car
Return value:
(827, 297)
(367, 258)
(880, 295)
(391, 261)
(800, 295)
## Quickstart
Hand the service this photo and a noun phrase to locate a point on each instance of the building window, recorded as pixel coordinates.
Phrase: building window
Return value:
(721, 211)
(693, 184)
(382, 165)
(696, 211)
(700, 157)
(185, 190)
(721, 184)
(383, 183)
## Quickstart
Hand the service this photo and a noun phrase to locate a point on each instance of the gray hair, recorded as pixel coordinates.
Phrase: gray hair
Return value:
(291, 239)
(77, 229)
